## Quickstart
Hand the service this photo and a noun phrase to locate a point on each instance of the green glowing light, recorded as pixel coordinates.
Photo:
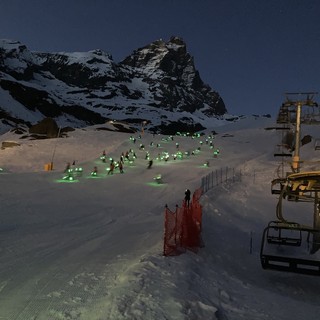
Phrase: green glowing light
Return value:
(67, 179)
(158, 179)
(156, 185)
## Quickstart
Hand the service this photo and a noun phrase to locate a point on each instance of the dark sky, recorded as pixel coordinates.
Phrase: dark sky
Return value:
(250, 51)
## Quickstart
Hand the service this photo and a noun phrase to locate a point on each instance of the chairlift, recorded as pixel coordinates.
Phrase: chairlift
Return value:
(278, 128)
(282, 150)
(283, 115)
(286, 113)
(283, 234)
(302, 186)
(317, 144)
(286, 247)
(285, 147)
(304, 182)
(290, 246)
(277, 185)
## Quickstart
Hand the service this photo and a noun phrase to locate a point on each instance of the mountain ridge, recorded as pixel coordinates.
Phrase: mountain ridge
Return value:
(157, 84)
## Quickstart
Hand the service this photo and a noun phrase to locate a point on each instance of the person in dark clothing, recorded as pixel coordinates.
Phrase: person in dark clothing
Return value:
(94, 172)
(112, 166)
(121, 167)
(67, 167)
(150, 164)
(187, 197)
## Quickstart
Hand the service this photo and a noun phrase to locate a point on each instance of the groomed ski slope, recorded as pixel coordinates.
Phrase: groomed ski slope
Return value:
(92, 249)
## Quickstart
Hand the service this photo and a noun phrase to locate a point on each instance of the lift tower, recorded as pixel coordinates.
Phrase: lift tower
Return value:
(296, 110)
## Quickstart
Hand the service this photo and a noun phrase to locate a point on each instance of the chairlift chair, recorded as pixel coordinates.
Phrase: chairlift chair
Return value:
(283, 233)
(299, 259)
(283, 115)
(285, 147)
(290, 246)
(277, 185)
(282, 154)
(304, 186)
(317, 144)
(282, 150)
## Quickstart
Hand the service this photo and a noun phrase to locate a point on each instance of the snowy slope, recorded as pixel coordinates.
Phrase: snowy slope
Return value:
(92, 249)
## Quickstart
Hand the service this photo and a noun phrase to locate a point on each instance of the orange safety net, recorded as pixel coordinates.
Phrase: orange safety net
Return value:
(182, 227)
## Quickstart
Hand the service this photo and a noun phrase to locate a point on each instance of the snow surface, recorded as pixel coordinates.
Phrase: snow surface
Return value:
(92, 249)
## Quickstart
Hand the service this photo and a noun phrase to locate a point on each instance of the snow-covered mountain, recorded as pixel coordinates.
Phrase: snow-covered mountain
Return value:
(158, 84)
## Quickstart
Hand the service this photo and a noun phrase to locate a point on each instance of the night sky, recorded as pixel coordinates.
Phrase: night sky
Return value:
(250, 51)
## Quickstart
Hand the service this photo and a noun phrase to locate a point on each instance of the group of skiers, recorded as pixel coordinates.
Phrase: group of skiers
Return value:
(113, 165)
(130, 156)
(125, 156)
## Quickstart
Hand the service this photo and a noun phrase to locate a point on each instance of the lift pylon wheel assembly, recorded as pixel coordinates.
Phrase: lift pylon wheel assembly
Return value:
(288, 110)
(299, 108)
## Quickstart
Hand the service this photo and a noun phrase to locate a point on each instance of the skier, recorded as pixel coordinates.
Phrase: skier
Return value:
(158, 179)
(111, 168)
(150, 164)
(94, 171)
(103, 157)
(187, 197)
(67, 167)
(121, 167)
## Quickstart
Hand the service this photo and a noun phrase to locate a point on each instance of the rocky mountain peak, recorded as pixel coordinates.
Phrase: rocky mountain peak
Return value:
(152, 54)
(158, 83)
(170, 60)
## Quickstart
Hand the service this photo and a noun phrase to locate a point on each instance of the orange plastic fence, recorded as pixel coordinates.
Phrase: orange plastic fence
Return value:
(182, 227)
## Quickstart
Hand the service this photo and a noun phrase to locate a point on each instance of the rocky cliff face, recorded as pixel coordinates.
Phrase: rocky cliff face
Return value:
(158, 84)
